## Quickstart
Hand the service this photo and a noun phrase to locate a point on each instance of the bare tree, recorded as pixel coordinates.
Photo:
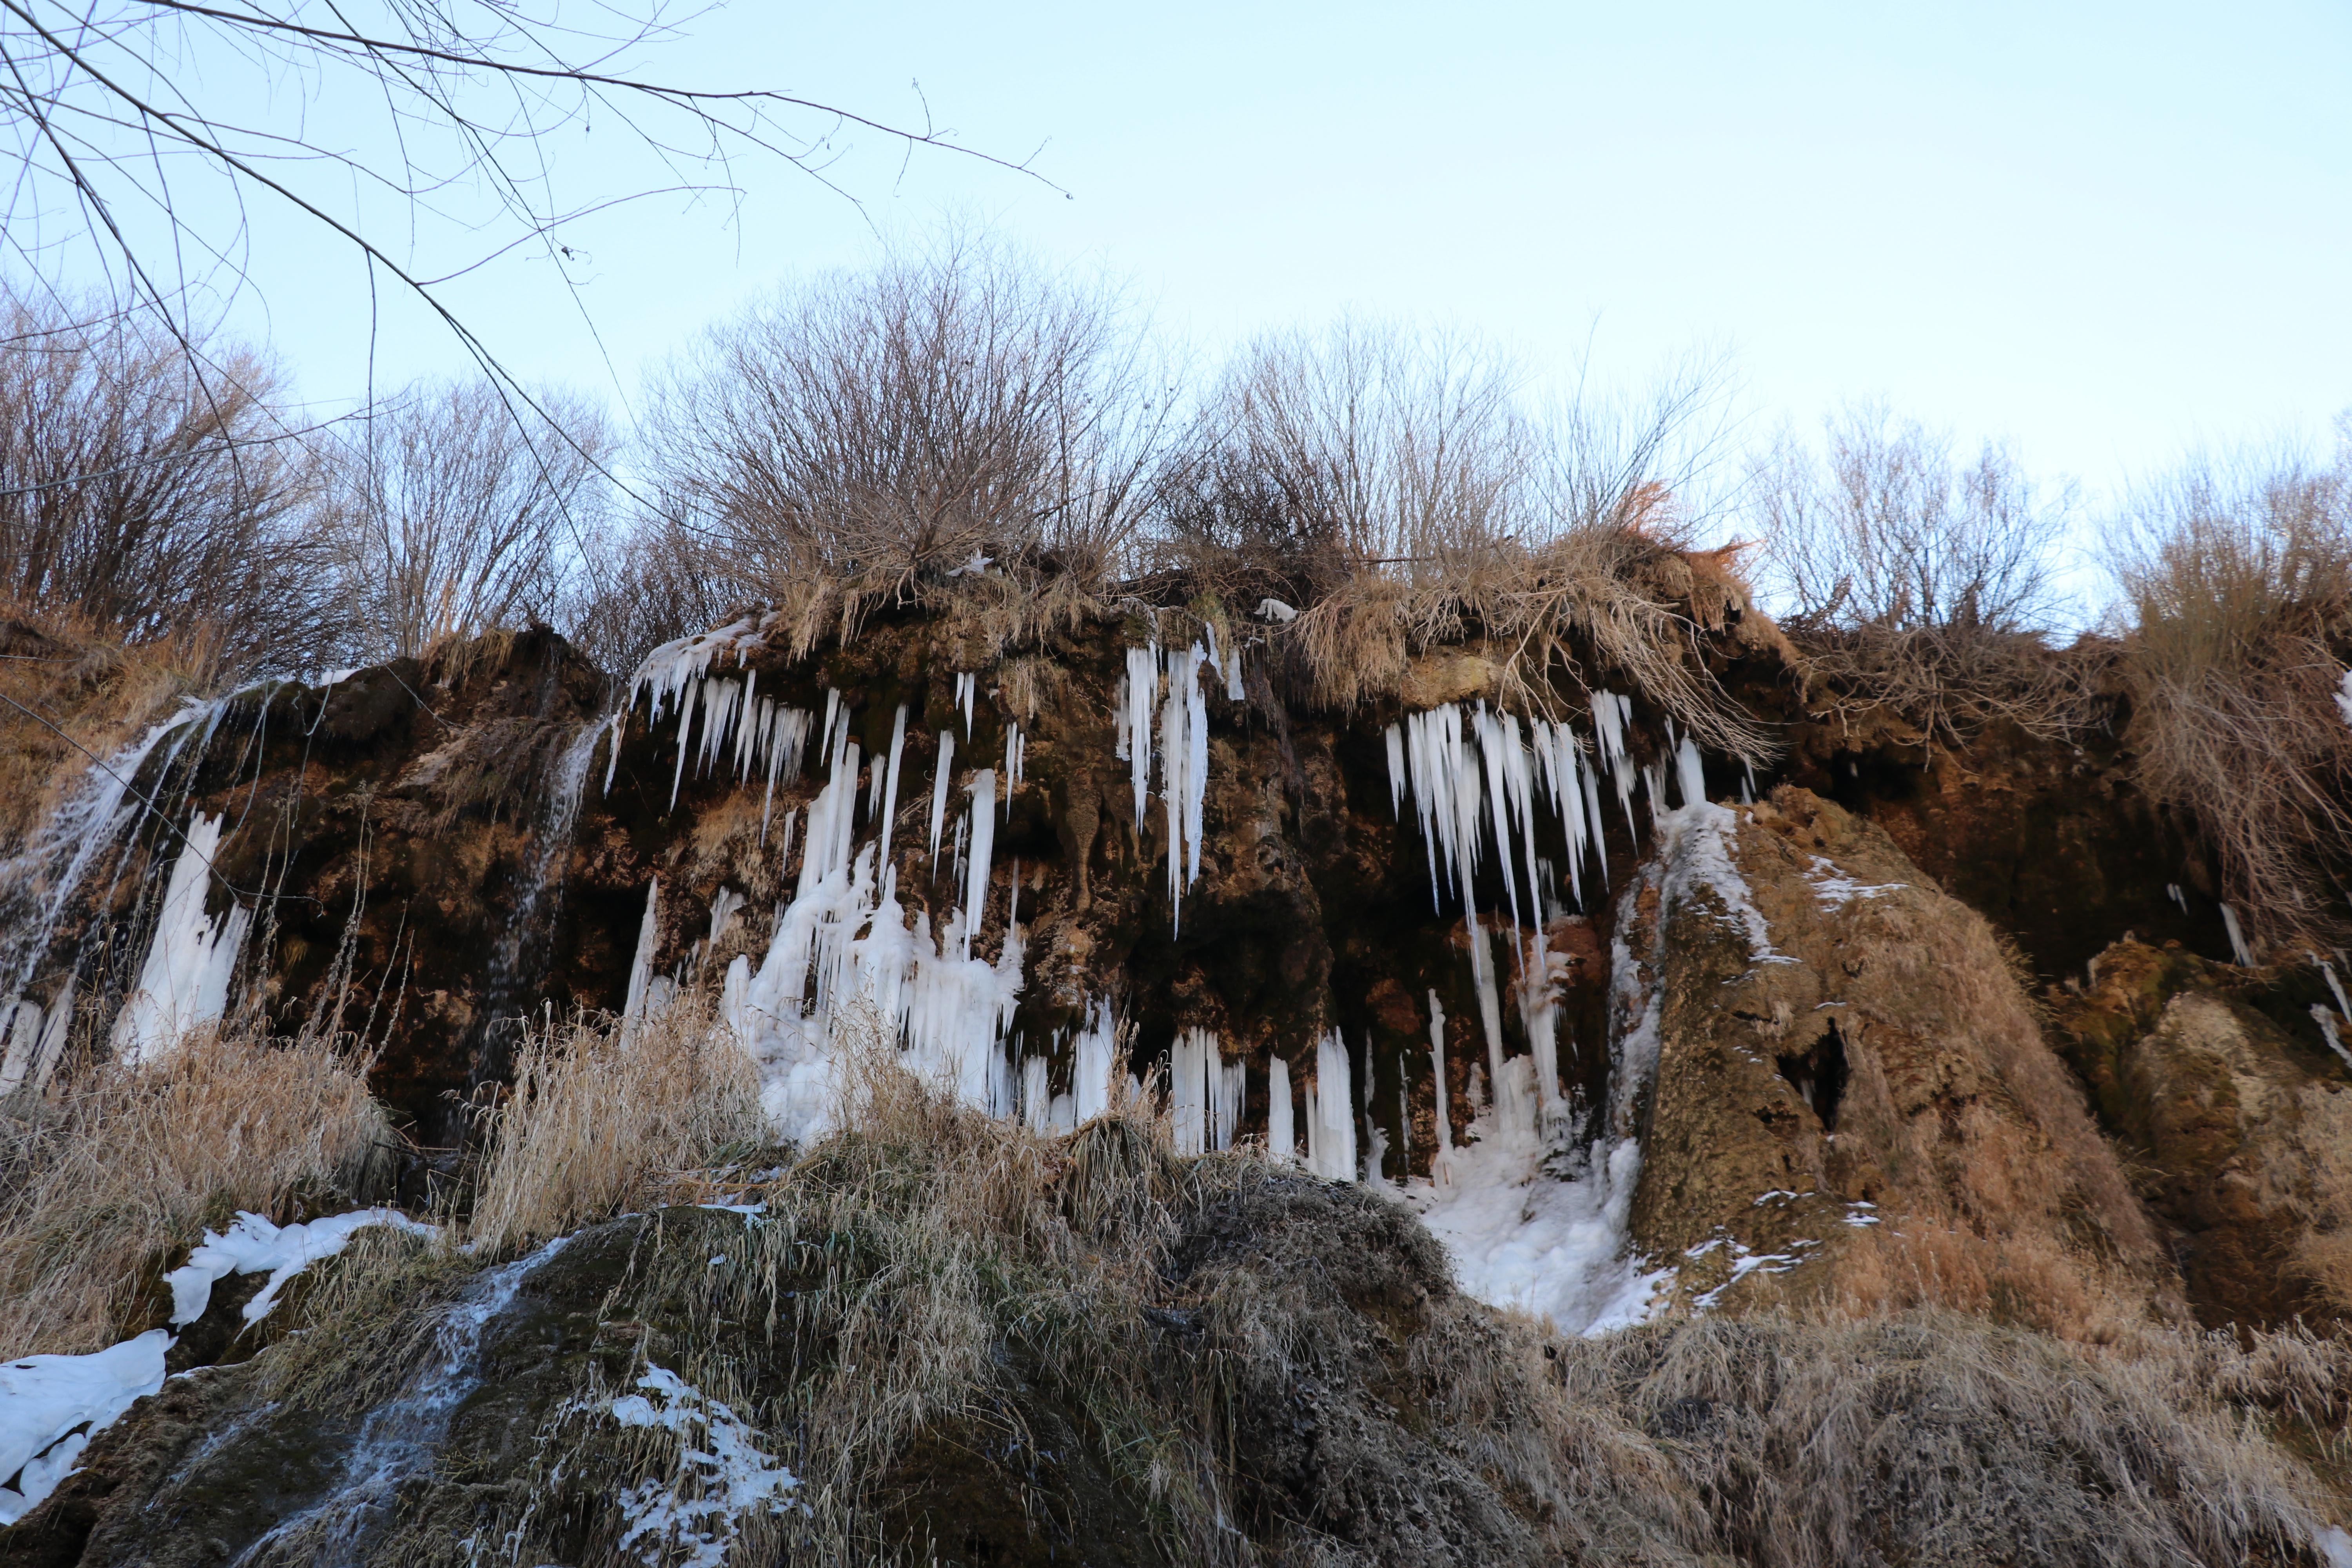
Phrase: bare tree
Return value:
(924, 419)
(443, 521)
(1889, 530)
(417, 133)
(150, 496)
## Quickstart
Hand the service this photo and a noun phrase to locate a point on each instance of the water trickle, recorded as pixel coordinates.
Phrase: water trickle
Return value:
(400, 1439)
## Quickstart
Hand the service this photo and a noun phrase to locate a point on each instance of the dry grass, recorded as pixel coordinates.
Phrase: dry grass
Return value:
(106, 1177)
(1936, 1439)
(2238, 576)
(98, 692)
(599, 1121)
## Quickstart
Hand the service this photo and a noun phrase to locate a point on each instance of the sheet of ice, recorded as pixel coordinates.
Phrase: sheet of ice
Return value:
(641, 963)
(1191, 1060)
(38, 883)
(1546, 1238)
(730, 1476)
(50, 1406)
(1093, 1052)
(185, 981)
(254, 1245)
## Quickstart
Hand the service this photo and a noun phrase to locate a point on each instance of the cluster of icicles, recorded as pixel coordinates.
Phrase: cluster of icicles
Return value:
(847, 960)
(1466, 774)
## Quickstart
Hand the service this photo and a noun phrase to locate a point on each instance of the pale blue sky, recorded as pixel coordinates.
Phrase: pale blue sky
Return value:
(2107, 231)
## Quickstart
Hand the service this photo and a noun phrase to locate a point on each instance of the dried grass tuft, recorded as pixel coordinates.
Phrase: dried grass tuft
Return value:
(2239, 575)
(108, 1175)
(602, 1118)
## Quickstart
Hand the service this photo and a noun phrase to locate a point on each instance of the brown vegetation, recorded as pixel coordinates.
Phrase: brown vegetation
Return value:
(2238, 576)
(106, 1178)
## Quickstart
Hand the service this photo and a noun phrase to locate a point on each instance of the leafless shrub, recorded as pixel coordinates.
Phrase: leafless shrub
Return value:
(880, 433)
(2238, 573)
(1420, 505)
(1916, 581)
(450, 513)
(151, 492)
(106, 1175)
(655, 587)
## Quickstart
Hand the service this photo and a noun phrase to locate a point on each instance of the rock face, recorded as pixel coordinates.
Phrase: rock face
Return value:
(2237, 1124)
(1854, 1101)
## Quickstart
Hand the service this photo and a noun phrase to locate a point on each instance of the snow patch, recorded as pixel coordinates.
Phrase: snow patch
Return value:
(731, 1476)
(254, 1245)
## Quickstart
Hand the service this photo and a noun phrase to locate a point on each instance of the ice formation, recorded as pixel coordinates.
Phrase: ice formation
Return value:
(1281, 1141)
(1183, 749)
(844, 960)
(51, 1405)
(733, 1476)
(1331, 1113)
(185, 981)
(254, 1245)
(1204, 1092)
(1538, 1223)
(2238, 948)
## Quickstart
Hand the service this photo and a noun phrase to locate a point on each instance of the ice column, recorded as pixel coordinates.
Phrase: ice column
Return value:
(185, 981)
(1331, 1113)
(1281, 1141)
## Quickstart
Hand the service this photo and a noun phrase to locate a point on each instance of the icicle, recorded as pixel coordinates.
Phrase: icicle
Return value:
(1011, 764)
(967, 686)
(940, 778)
(1397, 776)
(751, 729)
(890, 788)
(1135, 740)
(983, 840)
(684, 724)
(832, 712)
(641, 964)
(1281, 1141)
(2237, 938)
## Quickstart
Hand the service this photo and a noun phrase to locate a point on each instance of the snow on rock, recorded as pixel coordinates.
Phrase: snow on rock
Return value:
(1835, 889)
(185, 981)
(254, 1245)
(50, 1406)
(730, 1477)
